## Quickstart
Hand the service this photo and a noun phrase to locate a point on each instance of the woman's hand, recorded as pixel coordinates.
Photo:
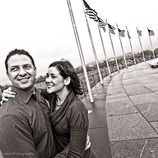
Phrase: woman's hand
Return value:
(7, 93)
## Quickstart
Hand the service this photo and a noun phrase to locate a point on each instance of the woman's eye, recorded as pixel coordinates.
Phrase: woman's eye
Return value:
(52, 76)
(47, 75)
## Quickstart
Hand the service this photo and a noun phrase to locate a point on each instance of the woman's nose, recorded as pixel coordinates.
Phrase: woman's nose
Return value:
(48, 79)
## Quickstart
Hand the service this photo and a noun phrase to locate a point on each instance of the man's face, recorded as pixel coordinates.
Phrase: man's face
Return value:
(21, 71)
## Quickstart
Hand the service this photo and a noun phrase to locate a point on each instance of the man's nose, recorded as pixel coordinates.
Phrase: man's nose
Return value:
(22, 71)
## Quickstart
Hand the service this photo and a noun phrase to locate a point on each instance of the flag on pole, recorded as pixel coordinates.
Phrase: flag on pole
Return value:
(90, 12)
(151, 32)
(128, 34)
(121, 32)
(139, 32)
(101, 24)
(92, 43)
(111, 29)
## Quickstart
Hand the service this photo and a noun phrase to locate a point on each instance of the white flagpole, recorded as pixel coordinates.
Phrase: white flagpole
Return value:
(122, 48)
(113, 48)
(92, 43)
(80, 50)
(107, 63)
(151, 44)
(131, 46)
(140, 45)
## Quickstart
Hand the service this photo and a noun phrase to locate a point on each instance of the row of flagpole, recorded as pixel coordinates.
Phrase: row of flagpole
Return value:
(106, 59)
(80, 50)
(130, 45)
(92, 14)
(140, 34)
(93, 47)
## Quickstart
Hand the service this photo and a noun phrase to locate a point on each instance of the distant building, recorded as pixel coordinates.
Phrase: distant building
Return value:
(0, 90)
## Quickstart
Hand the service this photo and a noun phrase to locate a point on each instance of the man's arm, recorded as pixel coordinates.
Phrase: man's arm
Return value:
(15, 138)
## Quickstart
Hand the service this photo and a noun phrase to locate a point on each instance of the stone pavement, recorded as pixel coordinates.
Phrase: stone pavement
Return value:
(124, 116)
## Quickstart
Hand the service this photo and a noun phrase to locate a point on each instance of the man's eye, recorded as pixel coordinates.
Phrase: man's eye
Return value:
(13, 69)
(27, 67)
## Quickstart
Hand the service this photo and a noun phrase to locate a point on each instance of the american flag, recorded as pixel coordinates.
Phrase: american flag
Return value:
(139, 32)
(111, 29)
(90, 12)
(151, 32)
(101, 24)
(121, 32)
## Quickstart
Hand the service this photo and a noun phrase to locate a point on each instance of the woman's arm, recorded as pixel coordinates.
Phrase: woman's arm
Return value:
(8, 93)
(78, 130)
(63, 153)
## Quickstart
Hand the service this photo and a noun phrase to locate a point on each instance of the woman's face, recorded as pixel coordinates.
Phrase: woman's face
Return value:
(54, 81)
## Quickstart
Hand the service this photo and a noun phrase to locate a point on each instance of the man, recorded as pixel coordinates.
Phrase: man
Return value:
(25, 129)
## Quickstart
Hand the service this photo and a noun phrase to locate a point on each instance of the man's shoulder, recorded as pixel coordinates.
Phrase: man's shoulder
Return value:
(11, 108)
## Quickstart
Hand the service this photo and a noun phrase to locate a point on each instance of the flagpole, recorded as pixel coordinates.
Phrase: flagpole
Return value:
(92, 43)
(107, 63)
(113, 49)
(80, 50)
(151, 43)
(140, 45)
(131, 47)
(122, 49)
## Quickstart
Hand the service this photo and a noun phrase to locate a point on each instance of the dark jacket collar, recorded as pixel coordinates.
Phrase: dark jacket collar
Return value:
(24, 96)
(57, 115)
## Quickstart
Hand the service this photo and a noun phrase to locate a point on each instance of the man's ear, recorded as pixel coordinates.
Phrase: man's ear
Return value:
(35, 71)
(8, 75)
(67, 81)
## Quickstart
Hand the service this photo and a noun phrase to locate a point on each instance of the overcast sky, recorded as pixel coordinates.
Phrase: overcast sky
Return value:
(43, 28)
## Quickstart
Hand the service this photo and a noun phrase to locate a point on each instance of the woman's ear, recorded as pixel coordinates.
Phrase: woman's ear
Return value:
(67, 81)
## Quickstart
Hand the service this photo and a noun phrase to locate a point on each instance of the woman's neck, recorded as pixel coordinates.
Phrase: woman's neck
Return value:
(61, 96)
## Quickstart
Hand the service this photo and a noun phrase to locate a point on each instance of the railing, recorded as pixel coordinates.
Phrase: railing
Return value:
(94, 76)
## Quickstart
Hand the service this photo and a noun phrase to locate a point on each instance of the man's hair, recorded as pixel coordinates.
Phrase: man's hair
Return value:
(19, 52)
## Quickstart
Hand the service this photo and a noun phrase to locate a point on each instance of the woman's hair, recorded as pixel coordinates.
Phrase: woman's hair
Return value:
(66, 69)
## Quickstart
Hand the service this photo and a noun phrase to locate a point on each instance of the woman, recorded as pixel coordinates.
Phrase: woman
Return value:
(69, 116)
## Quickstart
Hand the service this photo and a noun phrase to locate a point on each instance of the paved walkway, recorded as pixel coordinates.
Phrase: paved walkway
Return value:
(124, 116)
